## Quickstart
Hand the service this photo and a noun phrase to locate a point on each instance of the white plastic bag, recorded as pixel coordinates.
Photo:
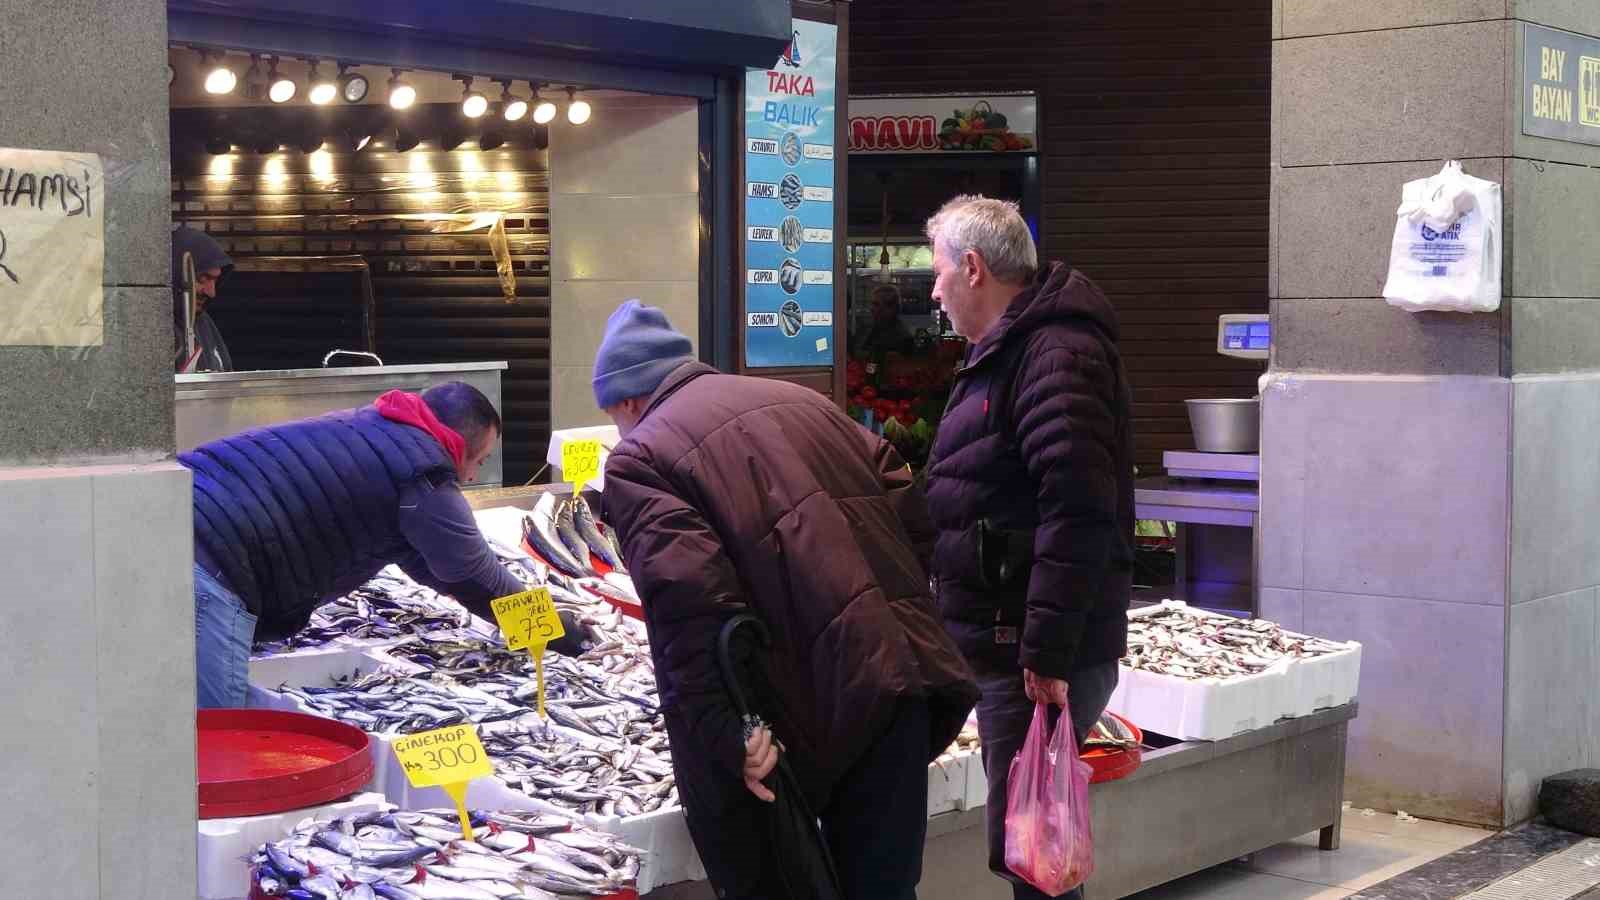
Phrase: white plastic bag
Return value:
(1447, 242)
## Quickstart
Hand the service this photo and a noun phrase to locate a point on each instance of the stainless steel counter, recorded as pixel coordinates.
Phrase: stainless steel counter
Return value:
(1217, 541)
(217, 404)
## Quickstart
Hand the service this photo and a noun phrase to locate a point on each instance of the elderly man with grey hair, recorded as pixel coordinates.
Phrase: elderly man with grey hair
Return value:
(1030, 484)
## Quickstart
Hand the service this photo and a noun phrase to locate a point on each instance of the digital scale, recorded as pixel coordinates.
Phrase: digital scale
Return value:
(1214, 499)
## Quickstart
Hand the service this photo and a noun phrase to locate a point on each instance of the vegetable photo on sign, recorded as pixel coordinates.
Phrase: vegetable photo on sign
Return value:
(980, 128)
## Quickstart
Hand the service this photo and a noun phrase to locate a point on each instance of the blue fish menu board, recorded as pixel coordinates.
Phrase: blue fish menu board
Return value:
(789, 135)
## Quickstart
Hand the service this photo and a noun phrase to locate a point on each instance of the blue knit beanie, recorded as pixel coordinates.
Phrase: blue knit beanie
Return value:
(639, 350)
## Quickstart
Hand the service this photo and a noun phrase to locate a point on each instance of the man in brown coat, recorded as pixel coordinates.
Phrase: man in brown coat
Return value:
(736, 494)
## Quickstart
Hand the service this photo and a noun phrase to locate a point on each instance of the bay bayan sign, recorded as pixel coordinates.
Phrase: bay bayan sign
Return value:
(991, 123)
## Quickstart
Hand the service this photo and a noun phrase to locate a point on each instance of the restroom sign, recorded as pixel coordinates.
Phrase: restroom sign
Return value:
(1560, 85)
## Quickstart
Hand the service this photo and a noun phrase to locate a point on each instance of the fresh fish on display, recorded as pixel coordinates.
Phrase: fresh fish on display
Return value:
(589, 528)
(567, 531)
(624, 776)
(385, 702)
(539, 530)
(389, 606)
(420, 856)
(1110, 732)
(1180, 642)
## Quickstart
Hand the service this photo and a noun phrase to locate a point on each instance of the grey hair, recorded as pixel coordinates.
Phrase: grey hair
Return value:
(994, 229)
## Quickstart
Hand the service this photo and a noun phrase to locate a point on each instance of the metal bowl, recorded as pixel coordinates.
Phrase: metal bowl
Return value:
(1225, 426)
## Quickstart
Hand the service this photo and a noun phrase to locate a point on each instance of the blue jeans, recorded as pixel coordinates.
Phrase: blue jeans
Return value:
(223, 633)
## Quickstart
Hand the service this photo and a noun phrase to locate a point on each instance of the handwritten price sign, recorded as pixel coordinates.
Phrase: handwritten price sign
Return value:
(528, 619)
(447, 758)
(580, 462)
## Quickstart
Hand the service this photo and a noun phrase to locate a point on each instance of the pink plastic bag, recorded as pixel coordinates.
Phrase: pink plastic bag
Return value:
(1048, 843)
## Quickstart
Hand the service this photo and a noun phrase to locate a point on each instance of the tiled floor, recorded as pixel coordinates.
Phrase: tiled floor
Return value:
(1374, 849)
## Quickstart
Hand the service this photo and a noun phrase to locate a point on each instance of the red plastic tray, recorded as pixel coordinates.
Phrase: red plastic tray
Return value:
(253, 762)
(1109, 765)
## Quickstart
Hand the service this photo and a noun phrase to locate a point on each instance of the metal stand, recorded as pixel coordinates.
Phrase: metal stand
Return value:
(1198, 804)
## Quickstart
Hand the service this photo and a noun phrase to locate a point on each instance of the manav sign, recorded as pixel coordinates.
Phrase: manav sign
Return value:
(1560, 85)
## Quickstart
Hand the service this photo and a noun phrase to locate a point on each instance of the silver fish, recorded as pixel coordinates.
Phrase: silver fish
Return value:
(589, 530)
(539, 529)
(567, 531)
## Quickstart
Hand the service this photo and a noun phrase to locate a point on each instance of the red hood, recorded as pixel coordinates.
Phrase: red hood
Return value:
(408, 409)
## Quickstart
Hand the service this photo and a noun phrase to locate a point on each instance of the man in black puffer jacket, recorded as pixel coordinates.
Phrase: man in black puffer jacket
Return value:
(1030, 484)
(290, 516)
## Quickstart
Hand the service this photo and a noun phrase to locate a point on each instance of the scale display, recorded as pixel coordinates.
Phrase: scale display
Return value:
(1245, 336)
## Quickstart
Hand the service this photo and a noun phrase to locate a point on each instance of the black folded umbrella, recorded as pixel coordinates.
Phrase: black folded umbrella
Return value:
(805, 867)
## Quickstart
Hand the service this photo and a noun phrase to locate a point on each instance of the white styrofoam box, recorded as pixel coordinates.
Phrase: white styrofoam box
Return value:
(947, 784)
(608, 435)
(502, 524)
(224, 845)
(977, 789)
(1212, 709)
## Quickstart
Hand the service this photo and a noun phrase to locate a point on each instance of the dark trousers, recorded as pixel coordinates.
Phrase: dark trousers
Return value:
(875, 822)
(1004, 715)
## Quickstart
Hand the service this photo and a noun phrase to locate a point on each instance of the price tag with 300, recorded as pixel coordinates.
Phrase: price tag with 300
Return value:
(580, 462)
(446, 758)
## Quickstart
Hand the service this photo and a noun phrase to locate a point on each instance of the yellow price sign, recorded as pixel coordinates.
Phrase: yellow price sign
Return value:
(447, 758)
(580, 462)
(529, 621)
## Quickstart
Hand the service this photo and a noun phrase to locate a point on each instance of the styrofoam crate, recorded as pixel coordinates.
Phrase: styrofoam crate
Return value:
(977, 791)
(223, 846)
(947, 783)
(1211, 709)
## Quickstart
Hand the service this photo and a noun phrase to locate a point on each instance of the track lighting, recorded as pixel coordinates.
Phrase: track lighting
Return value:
(219, 79)
(512, 107)
(578, 111)
(353, 86)
(280, 89)
(401, 94)
(322, 90)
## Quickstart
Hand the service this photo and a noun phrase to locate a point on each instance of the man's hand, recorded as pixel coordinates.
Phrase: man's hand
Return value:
(1044, 690)
(760, 758)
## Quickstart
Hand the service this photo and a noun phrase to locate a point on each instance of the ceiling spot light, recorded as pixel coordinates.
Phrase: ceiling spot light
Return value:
(280, 89)
(255, 84)
(578, 111)
(406, 140)
(451, 140)
(473, 103)
(491, 140)
(401, 94)
(218, 146)
(544, 112)
(512, 107)
(220, 79)
(353, 86)
(322, 90)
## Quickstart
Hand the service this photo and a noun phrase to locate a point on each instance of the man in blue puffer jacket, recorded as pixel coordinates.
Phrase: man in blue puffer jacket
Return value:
(289, 516)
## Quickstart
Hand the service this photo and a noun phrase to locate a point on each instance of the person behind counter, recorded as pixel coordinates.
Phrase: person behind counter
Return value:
(1033, 498)
(888, 334)
(290, 516)
(211, 262)
(735, 494)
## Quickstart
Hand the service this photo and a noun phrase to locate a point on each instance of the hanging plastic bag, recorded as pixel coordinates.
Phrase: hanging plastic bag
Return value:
(1447, 244)
(1048, 843)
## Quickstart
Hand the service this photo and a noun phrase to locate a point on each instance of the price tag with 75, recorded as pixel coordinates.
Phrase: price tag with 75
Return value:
(528, 620)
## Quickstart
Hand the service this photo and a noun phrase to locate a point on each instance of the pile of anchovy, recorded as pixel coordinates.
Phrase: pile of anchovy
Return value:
(389, 606)
(393, 702)
(1180, 642)
(581, 773)
(422, 856)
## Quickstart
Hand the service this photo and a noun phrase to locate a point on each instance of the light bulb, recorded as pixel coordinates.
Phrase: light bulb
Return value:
(544, 113)
(221, 80)
(579, 111)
